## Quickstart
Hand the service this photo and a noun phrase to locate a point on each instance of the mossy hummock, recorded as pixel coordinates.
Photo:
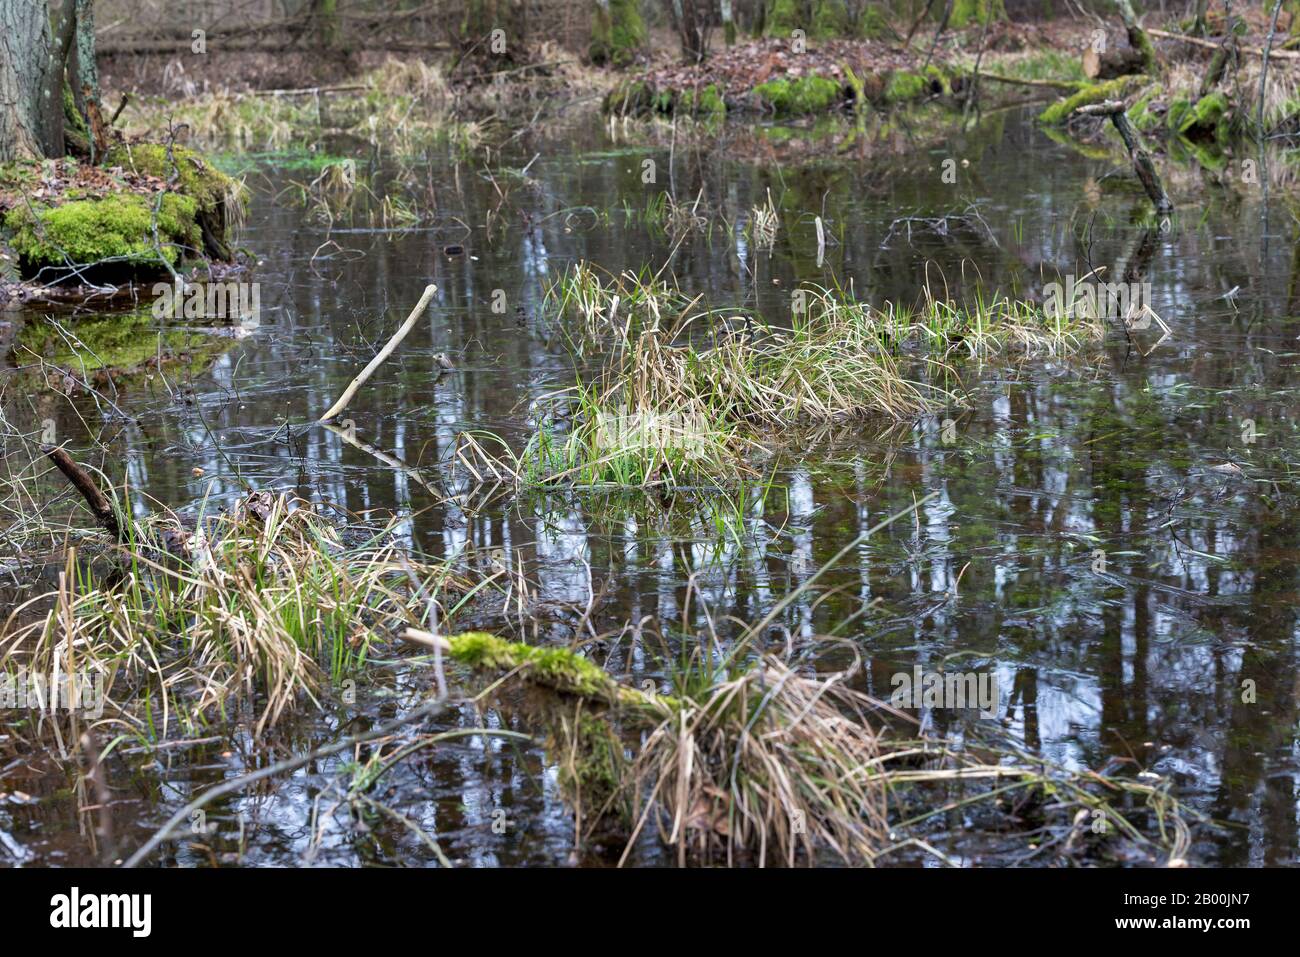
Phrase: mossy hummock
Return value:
(114, 233)
(143, 213)
(219, 197)
(808, 94)
(557, 668)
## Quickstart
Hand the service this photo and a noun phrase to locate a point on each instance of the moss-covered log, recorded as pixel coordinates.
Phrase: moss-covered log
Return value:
(557, 668)
(1115, 89)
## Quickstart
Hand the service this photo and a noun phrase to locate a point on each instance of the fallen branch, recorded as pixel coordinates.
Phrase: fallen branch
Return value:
(1142, 165)
(99, 504)
(311, 90)
(384, 353)
(349, 435)
(1072, 85)
(1214, 45)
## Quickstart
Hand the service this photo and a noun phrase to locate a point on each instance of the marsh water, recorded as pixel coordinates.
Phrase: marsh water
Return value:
(1114, 537)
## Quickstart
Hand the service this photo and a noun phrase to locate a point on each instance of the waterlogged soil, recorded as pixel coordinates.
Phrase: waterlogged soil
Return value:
(1114, 536)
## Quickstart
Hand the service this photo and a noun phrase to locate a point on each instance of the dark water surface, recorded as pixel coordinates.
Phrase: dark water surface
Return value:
(1114, 537)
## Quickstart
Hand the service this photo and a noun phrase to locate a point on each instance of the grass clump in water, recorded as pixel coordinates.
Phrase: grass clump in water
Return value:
(676, 401)
(262, 605)
(685, 394)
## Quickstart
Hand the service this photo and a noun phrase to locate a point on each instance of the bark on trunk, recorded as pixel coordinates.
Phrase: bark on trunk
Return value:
(1137, 37)
(325, 15)
(56, 58)
(1199, 25)
(24, 48)
(1115, 61)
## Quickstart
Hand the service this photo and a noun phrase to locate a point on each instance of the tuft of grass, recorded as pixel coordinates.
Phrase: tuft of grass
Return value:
(764, 223)
(760, 759)
(685, 394)
(259, 609)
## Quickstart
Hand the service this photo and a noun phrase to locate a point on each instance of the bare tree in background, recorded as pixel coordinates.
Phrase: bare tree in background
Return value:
(691, 19)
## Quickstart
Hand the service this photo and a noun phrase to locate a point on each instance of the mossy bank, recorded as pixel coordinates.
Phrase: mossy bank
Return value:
(146, 210)
(840, 88)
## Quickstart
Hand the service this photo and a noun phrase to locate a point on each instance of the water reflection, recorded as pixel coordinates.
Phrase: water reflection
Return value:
(1105, 541)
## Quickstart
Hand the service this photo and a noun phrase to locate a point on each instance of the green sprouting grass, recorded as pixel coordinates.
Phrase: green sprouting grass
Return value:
(1042, 65)
(263, 610)
(685, 394)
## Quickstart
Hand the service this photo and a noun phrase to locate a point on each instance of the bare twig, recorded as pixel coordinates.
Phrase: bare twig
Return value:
(383, 354)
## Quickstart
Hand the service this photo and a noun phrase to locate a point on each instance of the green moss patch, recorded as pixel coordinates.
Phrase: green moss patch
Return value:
(1210, 114)
(196, 177)
(809, 94)
(1115, 89)
(114, 229)
(707, 101)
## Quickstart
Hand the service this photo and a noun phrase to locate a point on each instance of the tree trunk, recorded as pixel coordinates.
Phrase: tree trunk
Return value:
(1199, 25)
(325, 17)
(83, 78)
(53, 82)
(690, 18)
(1113, 62)
(85, 72)
(1137, 38)
(25, 44)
